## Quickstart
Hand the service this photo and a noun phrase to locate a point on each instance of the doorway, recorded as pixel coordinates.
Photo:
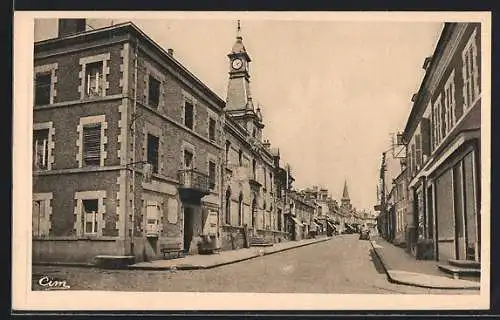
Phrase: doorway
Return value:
(188, 228)
(254, 214)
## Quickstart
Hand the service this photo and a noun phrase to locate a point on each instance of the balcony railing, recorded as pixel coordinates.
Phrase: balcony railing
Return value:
(194, 180)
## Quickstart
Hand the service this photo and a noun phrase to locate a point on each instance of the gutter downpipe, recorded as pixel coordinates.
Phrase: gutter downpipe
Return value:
(134, 138)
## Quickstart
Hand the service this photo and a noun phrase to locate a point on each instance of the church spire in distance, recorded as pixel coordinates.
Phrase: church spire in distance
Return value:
(345, 193)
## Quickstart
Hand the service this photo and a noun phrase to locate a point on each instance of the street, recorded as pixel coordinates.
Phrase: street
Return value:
(343, 264)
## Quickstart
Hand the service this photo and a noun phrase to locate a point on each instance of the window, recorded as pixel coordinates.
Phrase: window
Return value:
(438, 121)
(188, 115)
(40, 217)
(449, 102)
(240, 158)
(228, 206)
(40, 149)
(153, 146)
(211, 174)
(43, 88)
(94, 79)
(265, 177)
(412, 159)
(254, 169)
(92, 144)
(240, 210)
(418, 151)
(90, 212)
(153, 92)
(188, 160)
(211, 129)
(470, 72)
(228, 147)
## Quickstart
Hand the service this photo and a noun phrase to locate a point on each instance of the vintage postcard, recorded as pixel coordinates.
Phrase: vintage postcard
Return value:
(251, 160)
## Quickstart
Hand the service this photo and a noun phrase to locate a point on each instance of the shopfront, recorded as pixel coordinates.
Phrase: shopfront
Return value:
(456, 189)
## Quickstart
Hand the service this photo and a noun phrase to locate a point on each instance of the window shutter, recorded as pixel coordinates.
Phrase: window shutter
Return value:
(475, 66)
(92, 142)
(426, 136)
(418, 151)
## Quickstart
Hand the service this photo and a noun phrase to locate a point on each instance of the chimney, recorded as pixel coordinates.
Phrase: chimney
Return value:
(170, 52)
(70, 26)
(267, 144)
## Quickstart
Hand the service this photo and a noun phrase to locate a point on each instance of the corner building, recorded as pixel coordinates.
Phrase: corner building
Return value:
(108, 104)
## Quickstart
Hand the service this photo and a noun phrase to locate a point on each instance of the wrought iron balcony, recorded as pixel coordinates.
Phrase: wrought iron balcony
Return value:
(193, 184)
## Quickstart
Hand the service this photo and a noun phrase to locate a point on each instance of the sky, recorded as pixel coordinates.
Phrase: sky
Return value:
(331, 92)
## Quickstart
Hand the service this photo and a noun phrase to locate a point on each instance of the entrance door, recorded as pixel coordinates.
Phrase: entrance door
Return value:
(254, 214)
(188, 228)
(472, 218)
(445, 217)
(458, 205)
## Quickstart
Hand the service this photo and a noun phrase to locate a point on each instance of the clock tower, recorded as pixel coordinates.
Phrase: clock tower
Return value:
(239, 104)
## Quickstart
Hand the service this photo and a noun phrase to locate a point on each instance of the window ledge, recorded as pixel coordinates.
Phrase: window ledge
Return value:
(79, 101)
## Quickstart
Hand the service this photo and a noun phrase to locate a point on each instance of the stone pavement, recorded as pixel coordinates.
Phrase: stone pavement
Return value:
(193, 262)
(402, 268)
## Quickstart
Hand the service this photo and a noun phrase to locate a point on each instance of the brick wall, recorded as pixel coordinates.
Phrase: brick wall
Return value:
(63, 203)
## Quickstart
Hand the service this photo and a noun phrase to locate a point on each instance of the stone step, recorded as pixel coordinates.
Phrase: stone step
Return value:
(471, 264)
(459, 272)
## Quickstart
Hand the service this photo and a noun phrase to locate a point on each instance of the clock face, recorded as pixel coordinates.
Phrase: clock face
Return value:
(237, 63)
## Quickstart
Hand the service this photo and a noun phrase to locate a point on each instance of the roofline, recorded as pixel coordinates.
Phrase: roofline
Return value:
(138, 32)
(416, 104)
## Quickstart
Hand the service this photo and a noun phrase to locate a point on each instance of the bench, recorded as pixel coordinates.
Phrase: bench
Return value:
(172, 248)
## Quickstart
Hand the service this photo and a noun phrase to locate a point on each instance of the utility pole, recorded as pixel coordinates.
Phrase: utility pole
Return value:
(382, 195)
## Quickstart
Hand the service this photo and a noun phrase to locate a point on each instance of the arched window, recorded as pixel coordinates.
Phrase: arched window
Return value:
(240, 209)
(254, 169)
(228, 147)
(228, 206)
(264, 213)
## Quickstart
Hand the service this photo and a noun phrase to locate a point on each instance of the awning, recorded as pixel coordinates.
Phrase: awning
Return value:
(350, 226)
(332, 225)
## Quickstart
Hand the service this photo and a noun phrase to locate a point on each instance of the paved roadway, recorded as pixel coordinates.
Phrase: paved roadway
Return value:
(341, 265)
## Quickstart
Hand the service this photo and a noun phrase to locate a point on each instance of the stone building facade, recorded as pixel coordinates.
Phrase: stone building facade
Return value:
(443, 138)
(250, 190)
(126, 148)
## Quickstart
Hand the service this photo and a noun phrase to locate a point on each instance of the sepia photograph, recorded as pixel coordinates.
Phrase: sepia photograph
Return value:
(241, 160)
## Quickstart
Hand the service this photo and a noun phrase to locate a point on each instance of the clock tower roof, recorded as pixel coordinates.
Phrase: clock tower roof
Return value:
(238, 48)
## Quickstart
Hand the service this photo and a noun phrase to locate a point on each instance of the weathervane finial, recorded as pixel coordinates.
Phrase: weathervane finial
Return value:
(238, 30)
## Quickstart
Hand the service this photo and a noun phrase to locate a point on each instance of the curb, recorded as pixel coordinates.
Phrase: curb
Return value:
(65, 264)
(202, 267)
(179, 267)
(402, 282)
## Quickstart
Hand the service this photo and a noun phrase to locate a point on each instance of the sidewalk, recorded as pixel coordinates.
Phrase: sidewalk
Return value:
(195, 262)
(402, 268)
